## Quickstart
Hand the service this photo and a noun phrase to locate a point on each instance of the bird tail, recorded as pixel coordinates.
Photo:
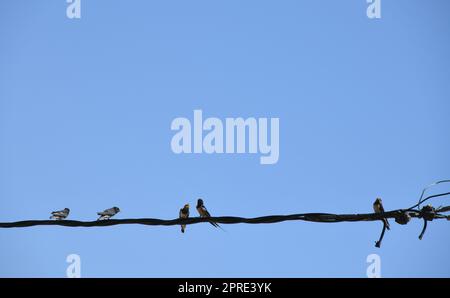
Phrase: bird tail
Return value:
(216, 225)
(183, 227)
(386, 222)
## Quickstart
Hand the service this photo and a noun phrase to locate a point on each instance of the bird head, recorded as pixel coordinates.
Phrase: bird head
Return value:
(186, 206)
(116, 209)
(67, 210)
(199, 202)
(378, 201)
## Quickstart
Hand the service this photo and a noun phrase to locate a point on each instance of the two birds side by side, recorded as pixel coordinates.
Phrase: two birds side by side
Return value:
(104, 215)
(202, 211)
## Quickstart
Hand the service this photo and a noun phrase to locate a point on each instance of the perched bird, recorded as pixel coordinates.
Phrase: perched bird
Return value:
(184, 213)
(108, 213)
(204, 212)
(378, 208)
(60, 215)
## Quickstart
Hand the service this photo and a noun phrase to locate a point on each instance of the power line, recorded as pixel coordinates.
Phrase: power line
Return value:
(401, 216)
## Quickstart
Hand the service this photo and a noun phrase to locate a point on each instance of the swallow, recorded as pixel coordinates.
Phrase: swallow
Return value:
(60, 215)
(184, 213)
(204, 212)
(108, 213)
(378, 208)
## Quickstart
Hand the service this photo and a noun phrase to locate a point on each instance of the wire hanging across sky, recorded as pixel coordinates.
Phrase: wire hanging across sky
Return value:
(401, 216)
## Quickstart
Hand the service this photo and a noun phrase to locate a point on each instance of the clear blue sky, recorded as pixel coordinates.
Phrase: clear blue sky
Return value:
(86, 107)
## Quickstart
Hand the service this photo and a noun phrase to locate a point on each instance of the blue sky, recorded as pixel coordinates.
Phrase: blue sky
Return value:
(86, 107)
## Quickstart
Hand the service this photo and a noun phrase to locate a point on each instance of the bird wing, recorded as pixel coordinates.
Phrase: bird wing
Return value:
(204, 212)
(109, 212)
(184, 213)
